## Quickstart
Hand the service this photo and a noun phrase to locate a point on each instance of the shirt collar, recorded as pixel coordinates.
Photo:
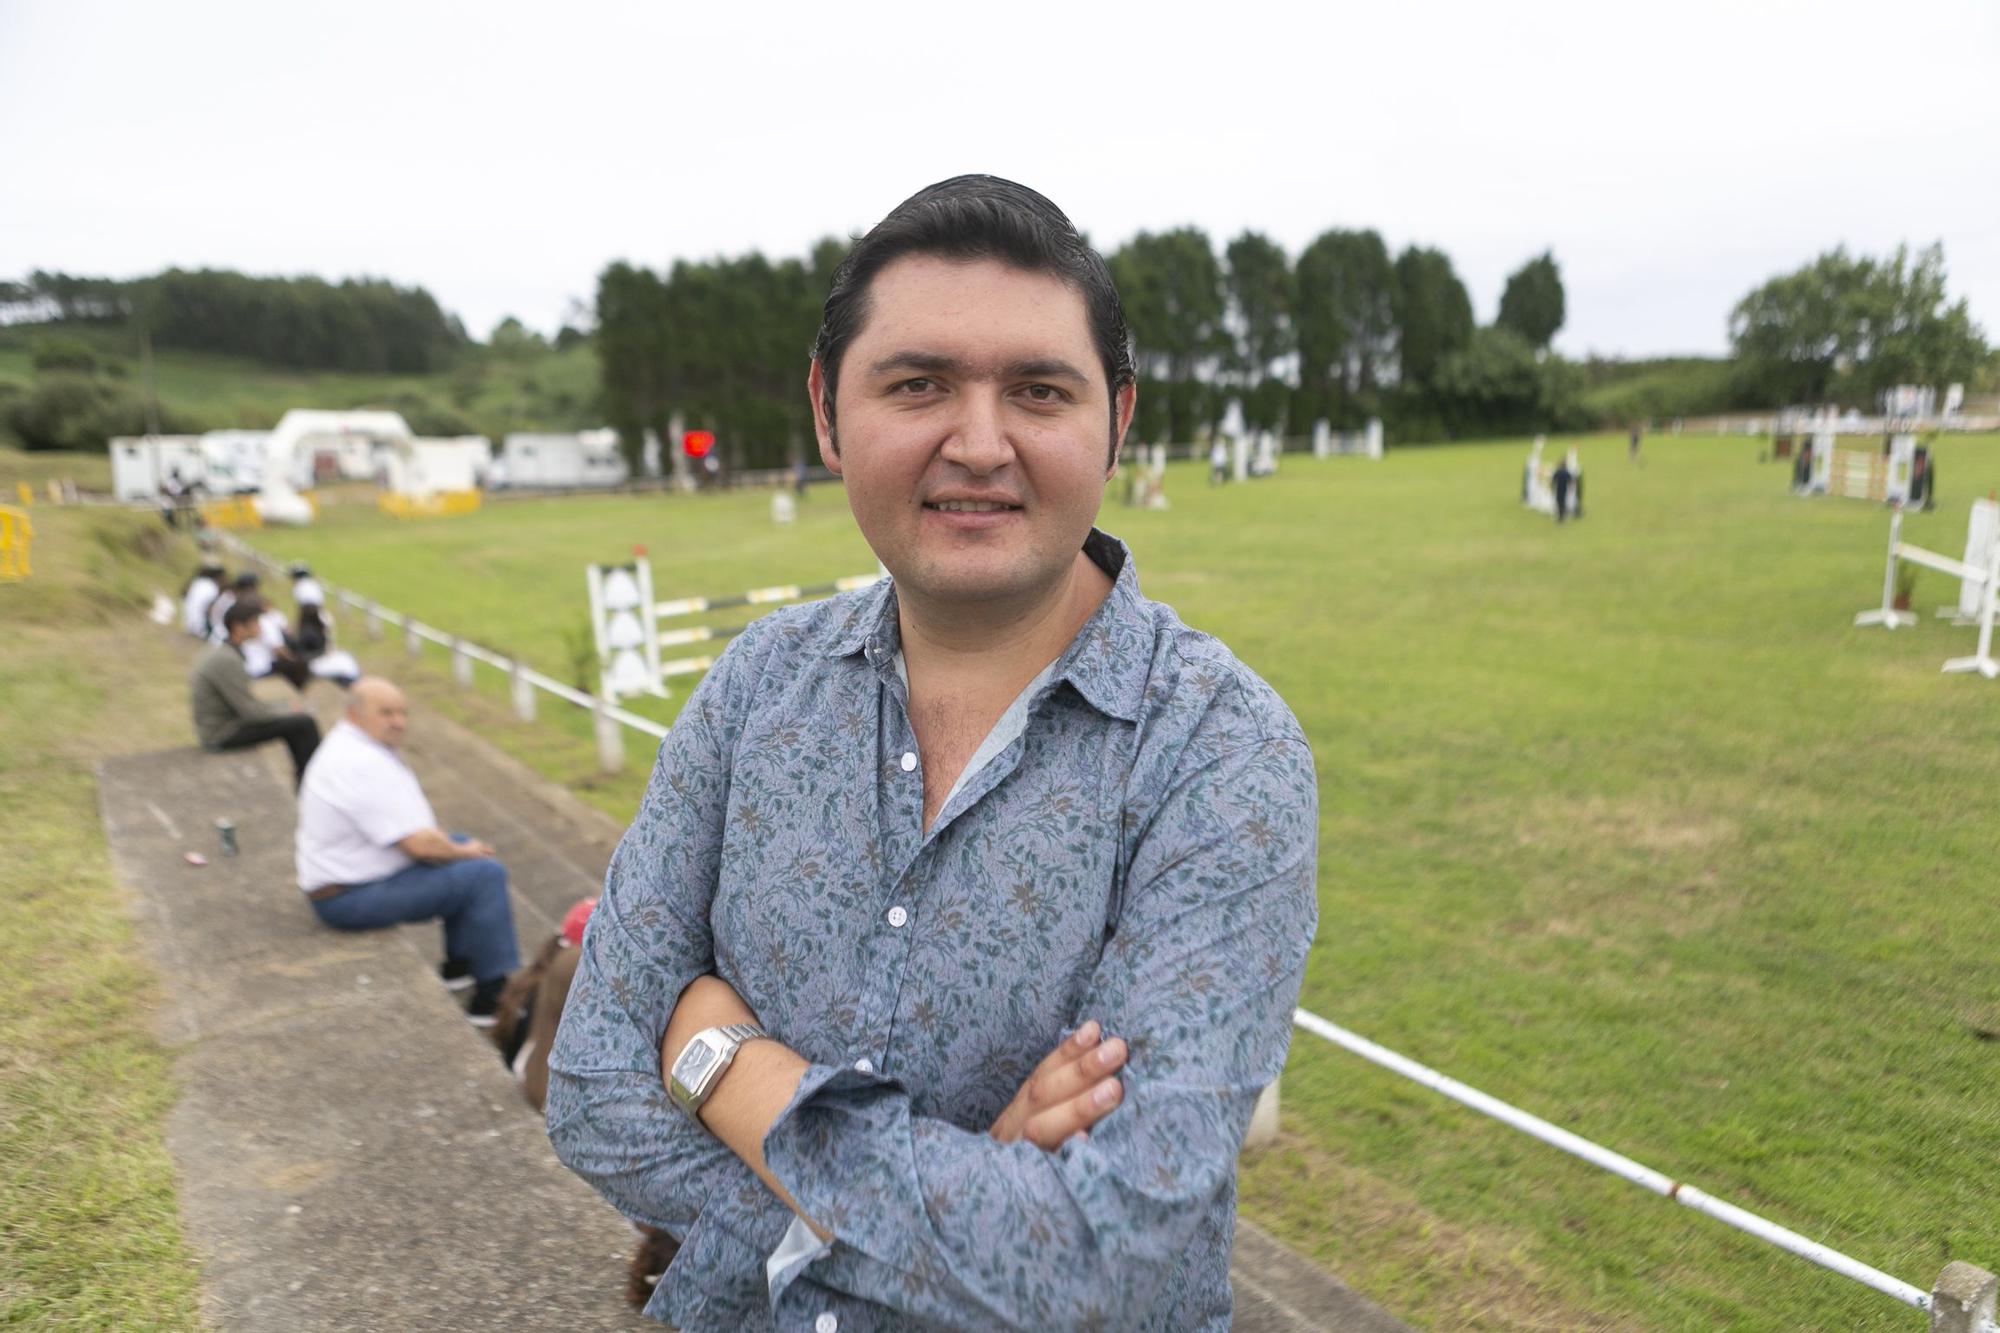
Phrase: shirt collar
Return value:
(1107, 663)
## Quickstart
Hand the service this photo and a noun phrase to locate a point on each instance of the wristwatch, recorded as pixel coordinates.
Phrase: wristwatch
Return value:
(701, 1063)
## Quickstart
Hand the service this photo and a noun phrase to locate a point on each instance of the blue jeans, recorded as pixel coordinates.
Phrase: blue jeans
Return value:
(469, 896)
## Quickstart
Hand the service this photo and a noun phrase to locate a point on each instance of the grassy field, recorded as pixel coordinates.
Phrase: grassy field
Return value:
(89, 1236)
(1622, 822)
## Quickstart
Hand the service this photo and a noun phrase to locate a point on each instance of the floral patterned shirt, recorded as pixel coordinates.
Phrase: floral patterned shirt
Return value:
(1142, 853)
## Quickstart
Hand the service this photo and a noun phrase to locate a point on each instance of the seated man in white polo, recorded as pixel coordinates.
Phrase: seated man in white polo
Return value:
(370, 853)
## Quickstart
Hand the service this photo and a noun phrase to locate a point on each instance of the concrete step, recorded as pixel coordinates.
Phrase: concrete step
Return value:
(352, 1153)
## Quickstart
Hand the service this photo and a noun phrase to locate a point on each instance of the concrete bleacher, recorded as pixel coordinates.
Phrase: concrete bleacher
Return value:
(352, 1153)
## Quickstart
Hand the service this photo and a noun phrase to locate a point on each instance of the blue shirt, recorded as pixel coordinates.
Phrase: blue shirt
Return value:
(1141, 853)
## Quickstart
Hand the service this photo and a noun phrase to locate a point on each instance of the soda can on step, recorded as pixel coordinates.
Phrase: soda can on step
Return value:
(225, 833)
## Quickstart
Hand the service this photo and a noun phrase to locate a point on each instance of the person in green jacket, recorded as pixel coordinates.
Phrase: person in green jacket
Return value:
(227, 715)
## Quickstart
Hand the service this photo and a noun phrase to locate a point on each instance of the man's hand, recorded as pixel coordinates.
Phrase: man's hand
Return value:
(1071, 1090)
(473, 847)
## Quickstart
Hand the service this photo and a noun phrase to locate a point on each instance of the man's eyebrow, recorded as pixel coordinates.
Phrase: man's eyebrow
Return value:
(936, 363)
(930, 363)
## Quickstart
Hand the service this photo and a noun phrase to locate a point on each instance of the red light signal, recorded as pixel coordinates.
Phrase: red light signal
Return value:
(697, 443)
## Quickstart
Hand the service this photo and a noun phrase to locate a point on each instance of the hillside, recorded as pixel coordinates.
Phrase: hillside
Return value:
(486, 392)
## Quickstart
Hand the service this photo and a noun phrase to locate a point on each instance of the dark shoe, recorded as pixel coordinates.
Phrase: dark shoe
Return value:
(456, 974)
(485, 1003)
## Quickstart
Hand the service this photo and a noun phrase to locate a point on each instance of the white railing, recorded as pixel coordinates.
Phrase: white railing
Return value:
(611, 721)
(1975, 1318)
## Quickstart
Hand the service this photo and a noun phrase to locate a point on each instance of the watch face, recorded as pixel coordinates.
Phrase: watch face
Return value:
(694, 1061)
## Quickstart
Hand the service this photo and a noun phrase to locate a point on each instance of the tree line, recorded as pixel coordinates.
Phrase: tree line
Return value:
(363, 325)
(1344, 332)
(1845, 327)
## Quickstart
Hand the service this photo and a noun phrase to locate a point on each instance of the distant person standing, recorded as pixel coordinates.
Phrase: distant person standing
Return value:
(1218, 462)
(227, 715)
(1632, 447)
(1574, 462)
(1559, 482)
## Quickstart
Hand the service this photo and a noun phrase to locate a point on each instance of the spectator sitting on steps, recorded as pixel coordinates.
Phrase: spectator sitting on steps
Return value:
(227, 715)
(370, 853)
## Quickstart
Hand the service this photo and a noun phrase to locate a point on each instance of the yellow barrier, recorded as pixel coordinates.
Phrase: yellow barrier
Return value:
(16, 534)
(444, 504)
(237, 512)
(26, 492)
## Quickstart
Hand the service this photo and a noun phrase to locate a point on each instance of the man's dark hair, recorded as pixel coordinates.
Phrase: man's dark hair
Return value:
(246, 579)
(242, 611)
(971, 218)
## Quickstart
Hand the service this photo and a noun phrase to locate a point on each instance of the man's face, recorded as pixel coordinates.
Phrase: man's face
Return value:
(973, 427)
(382, 714)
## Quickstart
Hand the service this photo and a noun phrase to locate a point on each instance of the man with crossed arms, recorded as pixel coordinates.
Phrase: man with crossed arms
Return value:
(963, 919)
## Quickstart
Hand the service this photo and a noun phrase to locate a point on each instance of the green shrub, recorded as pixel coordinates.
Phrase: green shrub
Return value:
(66, 410)
(60, 354)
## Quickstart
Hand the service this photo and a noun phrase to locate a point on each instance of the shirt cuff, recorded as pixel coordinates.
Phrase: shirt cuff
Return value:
(820, 1147)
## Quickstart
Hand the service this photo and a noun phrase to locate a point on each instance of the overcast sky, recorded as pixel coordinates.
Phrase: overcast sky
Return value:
(501, 153)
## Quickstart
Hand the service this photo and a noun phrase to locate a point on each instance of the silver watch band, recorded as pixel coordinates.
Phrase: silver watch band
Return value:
(703, 1061)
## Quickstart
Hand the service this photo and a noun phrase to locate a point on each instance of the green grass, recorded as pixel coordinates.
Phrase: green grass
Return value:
(89, 1234)
(1623, 822)
(91, 472)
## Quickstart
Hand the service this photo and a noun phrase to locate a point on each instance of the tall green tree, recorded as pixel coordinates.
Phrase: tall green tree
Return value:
(1498, 384)
(1532, 304)
(1346, 320)
(1171, 286)
(632, 356)
(1261, 292)
(1845, 327)
(724, 343)
(1433, 314)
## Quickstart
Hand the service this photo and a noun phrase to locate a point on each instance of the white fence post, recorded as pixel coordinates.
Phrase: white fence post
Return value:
(461, 665)
(371, 619)
(412, 645)
(524, 693)
(1962, 1301)
(610, 739)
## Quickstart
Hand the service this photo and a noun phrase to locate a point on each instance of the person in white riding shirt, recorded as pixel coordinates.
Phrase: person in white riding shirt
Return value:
(199, 596)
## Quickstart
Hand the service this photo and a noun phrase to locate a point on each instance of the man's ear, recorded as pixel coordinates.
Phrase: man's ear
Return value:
(822, 409)
(1126, 401)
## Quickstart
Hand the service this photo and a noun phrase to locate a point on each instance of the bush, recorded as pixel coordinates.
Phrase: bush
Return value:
(67, 410)
(426, 416)
(64, 354)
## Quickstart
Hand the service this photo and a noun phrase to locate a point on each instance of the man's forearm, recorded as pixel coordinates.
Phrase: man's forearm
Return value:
(753, 1093)
(432, 846)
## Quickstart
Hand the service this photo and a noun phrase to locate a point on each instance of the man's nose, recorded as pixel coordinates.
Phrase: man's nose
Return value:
(978, 441)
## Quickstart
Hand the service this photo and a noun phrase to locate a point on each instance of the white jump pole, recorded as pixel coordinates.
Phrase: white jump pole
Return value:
(1982, 661)
(1887, 616)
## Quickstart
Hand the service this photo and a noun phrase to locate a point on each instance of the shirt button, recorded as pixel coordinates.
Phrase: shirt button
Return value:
(865, 1065)
(826, 1323)
(909, 761)
(897, 916)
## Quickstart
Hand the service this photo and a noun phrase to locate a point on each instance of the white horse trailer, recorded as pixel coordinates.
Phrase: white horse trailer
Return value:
(142, 465)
